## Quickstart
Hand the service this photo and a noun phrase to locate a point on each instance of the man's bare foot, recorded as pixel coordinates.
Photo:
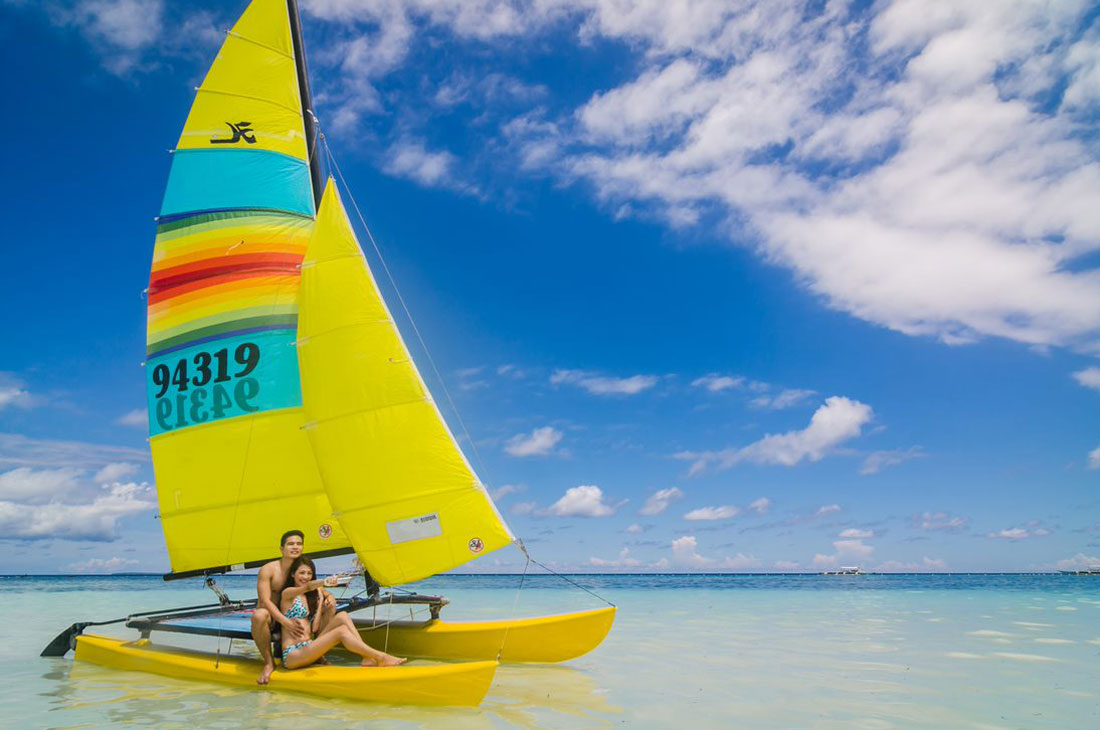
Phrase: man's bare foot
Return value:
(265, 675)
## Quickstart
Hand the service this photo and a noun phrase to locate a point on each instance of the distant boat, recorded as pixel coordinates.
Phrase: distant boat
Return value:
(846, 570)
(1091, 570)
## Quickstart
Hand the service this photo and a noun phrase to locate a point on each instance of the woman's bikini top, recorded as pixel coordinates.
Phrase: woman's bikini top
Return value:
(297, 609)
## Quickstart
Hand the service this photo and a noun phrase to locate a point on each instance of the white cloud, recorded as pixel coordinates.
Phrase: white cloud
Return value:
(684, 553)
(539, 442)
(740, 561)
(582, 501)
(411, 159)
(1080, 561)
(716, 383)
(1018, 533)
(1089, 377)
(522, 508)
(713, 513)
(139, 417)
(39, 485)
(786, 398)
(504, 491)
(1094, 458)
(940, 521)
(658, 501)
(838, 420)
(603, 385)
(760, 506)
(14, 393)
(19, 450)
(786, 565)
(624, 561)
(826, 509)
(846, 550)
(115, 471)
(635, 529)
(876, 461)
(96, 520)
(926, 565)
(854, 532)
(100, 565)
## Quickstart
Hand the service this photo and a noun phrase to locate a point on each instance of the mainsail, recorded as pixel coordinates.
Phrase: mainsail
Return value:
(280, 392)
(234, 468)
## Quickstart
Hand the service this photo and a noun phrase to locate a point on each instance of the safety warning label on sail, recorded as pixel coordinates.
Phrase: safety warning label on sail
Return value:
(414, 528)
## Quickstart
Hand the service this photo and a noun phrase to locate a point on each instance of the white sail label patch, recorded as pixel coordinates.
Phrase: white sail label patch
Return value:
(414, 528)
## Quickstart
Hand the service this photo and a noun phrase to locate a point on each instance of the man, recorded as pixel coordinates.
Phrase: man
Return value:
(269, 584)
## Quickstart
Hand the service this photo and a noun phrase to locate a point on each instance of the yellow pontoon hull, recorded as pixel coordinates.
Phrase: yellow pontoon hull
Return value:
(443, 684)
(542, 639)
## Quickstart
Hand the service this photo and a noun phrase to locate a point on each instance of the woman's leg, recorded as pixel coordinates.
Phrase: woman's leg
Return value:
(351, 641)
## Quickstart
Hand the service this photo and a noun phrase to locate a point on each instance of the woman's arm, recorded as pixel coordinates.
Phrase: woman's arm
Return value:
(294, 591)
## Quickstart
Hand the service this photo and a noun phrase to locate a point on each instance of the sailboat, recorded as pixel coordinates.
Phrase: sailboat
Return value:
(282, 396)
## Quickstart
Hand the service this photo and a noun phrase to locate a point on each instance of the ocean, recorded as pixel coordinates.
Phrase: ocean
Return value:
(871, 652)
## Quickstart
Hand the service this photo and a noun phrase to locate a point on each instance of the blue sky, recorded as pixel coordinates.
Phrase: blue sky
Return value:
(714, 286)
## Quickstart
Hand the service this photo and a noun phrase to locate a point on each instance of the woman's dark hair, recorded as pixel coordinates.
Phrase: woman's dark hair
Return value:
(312, 597)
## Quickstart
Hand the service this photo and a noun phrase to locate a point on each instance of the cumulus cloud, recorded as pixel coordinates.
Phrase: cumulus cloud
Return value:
(786, 565)
(603, 385)
(713, 513)
(115, 471)
(855, 532)
(635, 529)
(35, 486)
(96, 520)
(623, 561)
(582, 501)
(684, 553)
(876, 461)
(539, 442)
(1094, 458)
(504, 491)
(846, 550)
(521, 509)
(838, 420)
(435, 169)
(1089, 377)
(659, 501)
(1080, 561)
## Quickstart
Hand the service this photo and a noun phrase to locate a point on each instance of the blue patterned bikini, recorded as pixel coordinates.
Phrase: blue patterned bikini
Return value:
(297, 610)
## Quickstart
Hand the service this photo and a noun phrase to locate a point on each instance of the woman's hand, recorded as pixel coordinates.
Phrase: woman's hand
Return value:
(331, 581)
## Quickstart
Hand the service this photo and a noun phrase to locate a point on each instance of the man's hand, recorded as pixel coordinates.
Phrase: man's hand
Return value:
(296, 631)
(331, 581)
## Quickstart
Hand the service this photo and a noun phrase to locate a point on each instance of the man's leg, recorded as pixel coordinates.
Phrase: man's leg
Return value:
(261, 634)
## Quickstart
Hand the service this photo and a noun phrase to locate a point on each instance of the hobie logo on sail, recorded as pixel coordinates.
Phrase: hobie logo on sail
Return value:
(476, 545)
(241, 130)
(325, 531)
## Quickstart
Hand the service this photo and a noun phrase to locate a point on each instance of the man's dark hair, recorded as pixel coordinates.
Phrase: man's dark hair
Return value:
(289, 534)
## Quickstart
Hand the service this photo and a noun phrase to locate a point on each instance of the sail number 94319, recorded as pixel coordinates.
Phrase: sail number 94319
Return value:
(206, 385)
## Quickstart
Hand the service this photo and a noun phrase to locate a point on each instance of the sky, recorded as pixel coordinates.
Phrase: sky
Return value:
(711, 286)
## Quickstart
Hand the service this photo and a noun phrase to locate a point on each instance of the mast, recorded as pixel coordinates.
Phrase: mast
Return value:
(307, 102)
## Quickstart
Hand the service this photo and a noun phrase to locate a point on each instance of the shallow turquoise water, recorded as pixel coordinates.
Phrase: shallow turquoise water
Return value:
(871, 652)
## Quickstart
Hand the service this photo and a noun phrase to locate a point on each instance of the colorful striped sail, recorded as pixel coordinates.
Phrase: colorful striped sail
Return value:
(234, 468)
(402, 489)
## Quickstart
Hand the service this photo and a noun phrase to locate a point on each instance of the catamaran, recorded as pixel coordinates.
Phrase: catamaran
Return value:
(281, 395)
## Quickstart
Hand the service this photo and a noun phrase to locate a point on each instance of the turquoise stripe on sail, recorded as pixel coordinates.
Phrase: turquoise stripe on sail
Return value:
(211, 179)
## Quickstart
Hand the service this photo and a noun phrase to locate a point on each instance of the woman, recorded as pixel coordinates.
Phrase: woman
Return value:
(300, 602)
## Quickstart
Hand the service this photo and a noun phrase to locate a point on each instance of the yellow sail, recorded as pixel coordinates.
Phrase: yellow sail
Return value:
(234, 469)
(401, 487)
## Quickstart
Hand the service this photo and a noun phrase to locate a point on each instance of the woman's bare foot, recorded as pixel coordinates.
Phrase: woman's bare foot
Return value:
(391, 661)
(265, 674)
(368, 662)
